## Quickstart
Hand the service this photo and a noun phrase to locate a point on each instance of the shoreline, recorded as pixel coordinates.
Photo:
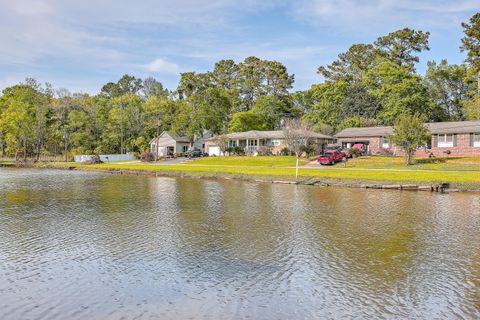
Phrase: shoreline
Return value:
(445, 187)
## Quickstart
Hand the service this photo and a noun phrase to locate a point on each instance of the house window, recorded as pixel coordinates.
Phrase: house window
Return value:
(252, 142)
(385, 143)
(476, 139)
(275, 142)
(185, 148)
(445, 140)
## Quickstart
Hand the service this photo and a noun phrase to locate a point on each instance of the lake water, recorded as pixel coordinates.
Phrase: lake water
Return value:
(77, 245)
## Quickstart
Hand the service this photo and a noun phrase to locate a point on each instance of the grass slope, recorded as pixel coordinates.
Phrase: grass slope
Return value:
(366, 169)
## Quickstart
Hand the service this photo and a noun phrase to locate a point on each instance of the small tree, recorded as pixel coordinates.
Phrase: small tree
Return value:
(222, 142)
(296, 137)
(409, 133)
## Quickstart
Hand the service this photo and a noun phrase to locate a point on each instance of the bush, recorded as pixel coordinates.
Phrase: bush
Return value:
(285, 152)
(236, 151)
(94, 160)
(265, 151)
(354, 152)
(308, 150)
(147, 157)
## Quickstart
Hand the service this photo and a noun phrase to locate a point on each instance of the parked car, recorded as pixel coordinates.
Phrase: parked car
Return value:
(331, 157)
(195, 154)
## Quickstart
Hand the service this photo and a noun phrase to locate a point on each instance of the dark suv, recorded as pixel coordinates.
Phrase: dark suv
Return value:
(194, 154)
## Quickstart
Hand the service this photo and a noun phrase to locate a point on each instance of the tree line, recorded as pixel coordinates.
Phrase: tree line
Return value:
(369, 84)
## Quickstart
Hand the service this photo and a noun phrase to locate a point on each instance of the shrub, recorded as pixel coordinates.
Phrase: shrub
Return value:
(354, 152)
(235, 151)
(308, 150)
(285, 152)
(147, 157)
(95, 159)
(265, 151)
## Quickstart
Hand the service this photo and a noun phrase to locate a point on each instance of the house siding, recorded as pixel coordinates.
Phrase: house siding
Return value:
(164, 142)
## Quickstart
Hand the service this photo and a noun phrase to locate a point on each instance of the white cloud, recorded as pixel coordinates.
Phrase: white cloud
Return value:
(375, 16)
(162, 66)
(29, 7)
(102, 39)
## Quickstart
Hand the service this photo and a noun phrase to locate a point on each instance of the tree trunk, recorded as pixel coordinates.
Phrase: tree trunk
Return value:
(409, 158)
(296, 169)
(25, 148)
(66, 149)
(478, 83)
(37, 152)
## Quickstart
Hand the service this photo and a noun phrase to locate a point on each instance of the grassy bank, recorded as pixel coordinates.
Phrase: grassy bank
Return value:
(462, 173)
(435, 164)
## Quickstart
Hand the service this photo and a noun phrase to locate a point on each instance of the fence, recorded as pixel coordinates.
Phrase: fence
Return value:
(106, 157)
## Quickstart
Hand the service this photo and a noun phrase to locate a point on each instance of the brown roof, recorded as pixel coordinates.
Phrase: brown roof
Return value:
(274, 134)
(434, 127)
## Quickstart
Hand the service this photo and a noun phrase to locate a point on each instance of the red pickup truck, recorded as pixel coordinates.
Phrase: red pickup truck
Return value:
(331, 157)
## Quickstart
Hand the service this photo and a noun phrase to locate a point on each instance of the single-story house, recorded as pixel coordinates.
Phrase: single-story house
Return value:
(254, 140)
(459, 138)
(169, 144)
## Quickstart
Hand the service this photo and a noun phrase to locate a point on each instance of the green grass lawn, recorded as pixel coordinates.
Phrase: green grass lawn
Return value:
(437, 164)
(277, 161)
(367, 169)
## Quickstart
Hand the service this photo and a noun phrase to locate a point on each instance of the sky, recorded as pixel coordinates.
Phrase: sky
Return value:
(81, 45)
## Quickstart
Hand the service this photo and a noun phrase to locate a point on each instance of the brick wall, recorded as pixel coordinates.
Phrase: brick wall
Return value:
(461, 149)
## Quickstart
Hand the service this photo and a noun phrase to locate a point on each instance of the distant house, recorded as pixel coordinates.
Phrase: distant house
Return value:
(459, 138)
(169, 144)
(253, 141)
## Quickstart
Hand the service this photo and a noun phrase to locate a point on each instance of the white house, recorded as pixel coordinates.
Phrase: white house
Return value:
(169, 144)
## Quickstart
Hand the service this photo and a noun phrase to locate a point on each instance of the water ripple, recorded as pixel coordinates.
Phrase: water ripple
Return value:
(77, 245)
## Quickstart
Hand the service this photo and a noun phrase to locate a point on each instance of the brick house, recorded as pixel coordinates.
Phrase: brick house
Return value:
(254, 140)
(460, 138)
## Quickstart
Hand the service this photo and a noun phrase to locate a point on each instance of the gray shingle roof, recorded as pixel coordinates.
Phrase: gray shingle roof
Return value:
(434, 127)
(173, 136)
(275, 134)
(365, 132)
(454, 127)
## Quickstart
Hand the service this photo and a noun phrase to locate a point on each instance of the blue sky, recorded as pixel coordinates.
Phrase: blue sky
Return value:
(81, 45)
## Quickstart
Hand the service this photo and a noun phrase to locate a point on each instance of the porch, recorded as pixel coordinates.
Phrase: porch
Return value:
(252, 145)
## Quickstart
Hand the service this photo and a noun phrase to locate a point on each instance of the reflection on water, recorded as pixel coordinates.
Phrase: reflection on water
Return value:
(79, 245)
